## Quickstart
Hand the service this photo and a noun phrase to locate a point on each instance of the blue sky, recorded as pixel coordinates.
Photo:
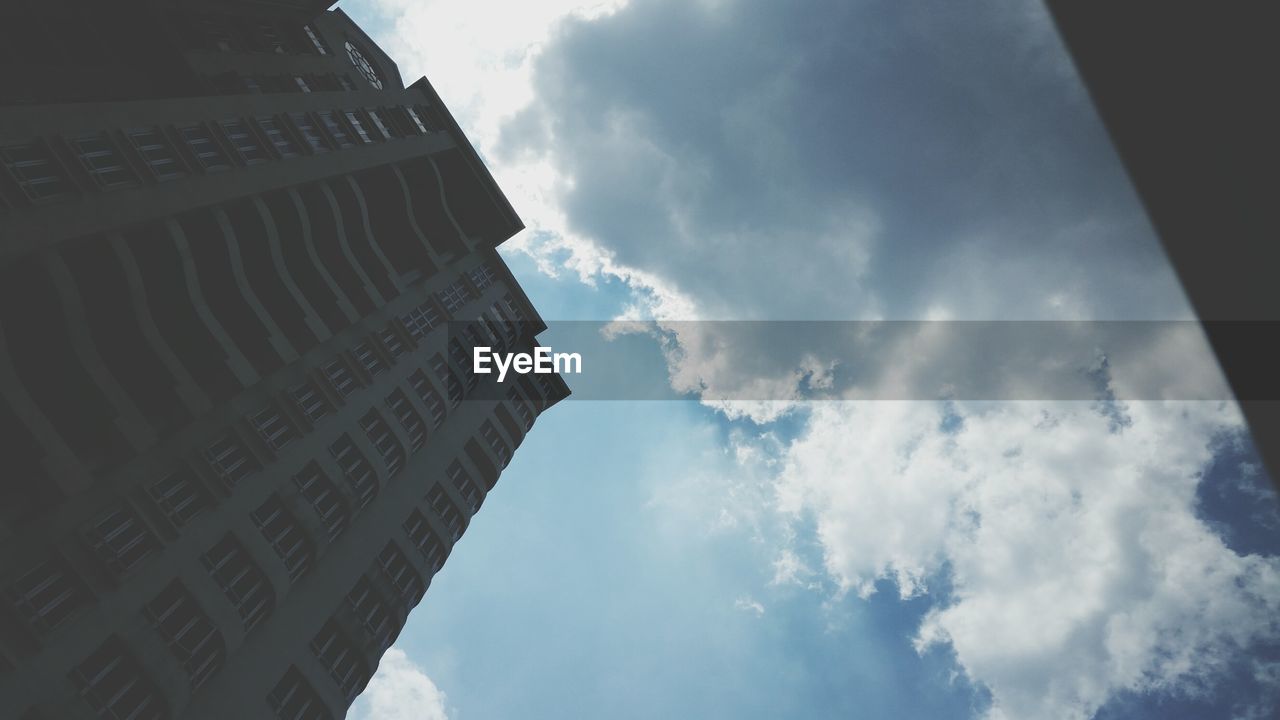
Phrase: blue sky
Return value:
(730, 159)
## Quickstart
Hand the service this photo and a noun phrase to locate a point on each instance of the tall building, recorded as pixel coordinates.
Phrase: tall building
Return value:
(241, 266)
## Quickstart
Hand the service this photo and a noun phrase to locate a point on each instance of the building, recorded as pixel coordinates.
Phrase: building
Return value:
(240, 267)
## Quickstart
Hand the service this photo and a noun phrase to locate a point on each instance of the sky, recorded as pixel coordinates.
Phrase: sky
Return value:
(827, 160)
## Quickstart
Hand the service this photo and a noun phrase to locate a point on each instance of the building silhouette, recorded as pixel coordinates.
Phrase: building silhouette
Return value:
(241, 267)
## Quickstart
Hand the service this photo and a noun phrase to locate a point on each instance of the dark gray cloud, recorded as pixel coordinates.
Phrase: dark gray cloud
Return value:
(835, 159)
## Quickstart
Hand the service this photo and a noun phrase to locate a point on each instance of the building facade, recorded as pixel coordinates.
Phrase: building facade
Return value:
(242, 265)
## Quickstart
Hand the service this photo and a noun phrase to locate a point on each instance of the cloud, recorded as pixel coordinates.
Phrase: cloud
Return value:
(1075, 562)
(400, 690)
(746, 603)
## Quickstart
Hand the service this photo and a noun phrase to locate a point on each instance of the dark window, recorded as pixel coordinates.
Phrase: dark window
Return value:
(454, 297)
(482, 276)
(103, 161)
(179, 496)
(293, 698)
(205, 149)
(409, 419)
(230, 459)
(384, 441)
(356, 469)
(307, 126)
(465, 485)
(340, 377)
(425, 539)
(448, 513)
(157, 153)
(281, 529)
(522, 408)
(392, 342)
(435, 404)
(311, 401)
(112, 682)
(319, 45)
(273, 427)
(342, 658)
(371, 610)
(495, 443)
(320, 491)
(417, 120)
(335, 129)
(447, 378)
(421, 320)
(277, 136)
(301, 83)
(368, 359)
(380, 124)
(272, 41)
(121, 539)
(47, 594)
(243, 582)
(462, 359)
(191, 635)
(358, 125)
(243, 141)
(36, 171)
(397, 568)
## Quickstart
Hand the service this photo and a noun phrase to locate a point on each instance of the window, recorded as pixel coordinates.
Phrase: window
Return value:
(218, 34)
(281, 529)
(112, 682)
(47, 594)
(36, 171)
(356, 469)
(293, 698)
(157, 153)
(417, 120)
(310, 132)
(454, 297)
(425, 539)
(358, 126)
(243, 582)
(548, 390)
(462, 359)
(421, 320)
(403, 122)
(447, 378)
(277, 136)
(242, 140)
(362, 64)
(272, 41)
(191, 635)
(202, 145)
(482, 276)
(252, 84)
(409, 419)
(392, 342)
(342, 659)
(301, 83)
(522, 408)
(495, 442)
(397, 569)
(103, 161)
(316, 42)
(320, 491)
(381, 125)
(340, 377)
(435, 404)
(311, 401)
(465, 485)
(371, 610)
(273, 427)
(369, 360)
(384, 441)
(336, 131)
(179, 496)
(121, 539)
(230, 459)
(444, 508)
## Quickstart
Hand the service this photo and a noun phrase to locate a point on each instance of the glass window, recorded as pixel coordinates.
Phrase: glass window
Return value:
(354, 118)
(103, 161)
(311, 401)
(121, 539)
(230, 459)
(384, 441)
(190, 633)
(340, 377)
(293, 698)
(277, 137)
(425, 539)
(205, 149)
(49, 593)
(319, 45)
(242, 581)
(397, 568)
(409, 419)
(369, 607)
(286, 536)
(336, 131)
(448, 513)
(34, 168)
(307, 127)
(435, 404)
(156, 151)
(324, 497)
(381, 125)
(342, 658)
(179, 496)
(112, 682)
(356, 469)
(465, 485)
(244, 142)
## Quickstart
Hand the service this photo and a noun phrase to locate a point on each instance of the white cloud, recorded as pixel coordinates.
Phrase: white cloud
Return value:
(746, 603)
(1078, 568)
(400, 690)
